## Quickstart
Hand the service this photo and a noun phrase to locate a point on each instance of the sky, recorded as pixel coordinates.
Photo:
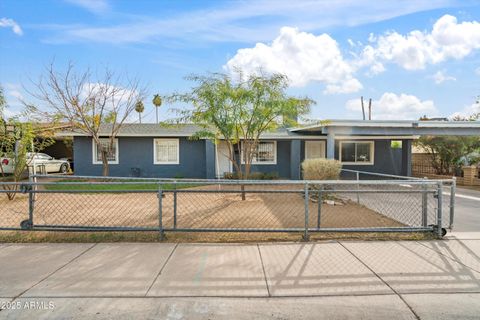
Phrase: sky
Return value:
(412, 58)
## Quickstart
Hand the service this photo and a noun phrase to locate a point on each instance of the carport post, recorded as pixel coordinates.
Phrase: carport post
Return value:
(424, 205)
(452, 202)
(160, 213)
(305, 234)
(319, 213)
(439, 209)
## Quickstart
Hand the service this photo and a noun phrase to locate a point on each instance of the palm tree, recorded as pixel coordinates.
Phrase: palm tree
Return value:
(139, 108)
(157, 102)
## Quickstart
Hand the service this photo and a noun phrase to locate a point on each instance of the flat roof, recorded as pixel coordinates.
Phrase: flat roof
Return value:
(309, 131)
(387, 124)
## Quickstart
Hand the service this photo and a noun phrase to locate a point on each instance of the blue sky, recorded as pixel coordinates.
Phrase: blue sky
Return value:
(411, 57)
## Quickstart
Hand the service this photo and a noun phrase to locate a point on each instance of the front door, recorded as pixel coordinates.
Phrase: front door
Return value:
(223, 163)
(314, 149)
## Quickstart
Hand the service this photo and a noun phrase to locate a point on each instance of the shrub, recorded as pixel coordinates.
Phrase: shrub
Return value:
(253, 176)
(321, 169)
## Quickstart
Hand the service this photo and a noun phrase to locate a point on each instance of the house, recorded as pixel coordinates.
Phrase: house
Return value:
(151, 150)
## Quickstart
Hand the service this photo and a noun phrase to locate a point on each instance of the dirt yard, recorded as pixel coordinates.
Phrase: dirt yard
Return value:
(194, 210)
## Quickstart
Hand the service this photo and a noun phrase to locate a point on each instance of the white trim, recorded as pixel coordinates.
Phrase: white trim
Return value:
(155, 151)
(262, 162)
(324, 148)
(94, 152)
(338, 137)
(360, 163)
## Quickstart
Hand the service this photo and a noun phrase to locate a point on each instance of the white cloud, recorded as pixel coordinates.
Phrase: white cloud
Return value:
(117, 94)
(10, 23)
(239, 21)
(95, 6)
(303, 57)
(467, 111)
(391, 106)
(439, 77)
(8, 113)
(13, 93)
(448, 39)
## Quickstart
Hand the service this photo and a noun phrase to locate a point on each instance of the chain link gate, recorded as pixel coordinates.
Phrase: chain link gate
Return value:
(169, 205)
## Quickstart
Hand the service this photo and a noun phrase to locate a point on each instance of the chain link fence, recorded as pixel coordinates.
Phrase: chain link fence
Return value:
(167, 205)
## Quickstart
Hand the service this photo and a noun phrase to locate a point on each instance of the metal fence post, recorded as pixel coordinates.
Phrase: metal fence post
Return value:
(174, 204)
(31, 202)
(160, 213)
(424, 205)
(453, 188)
(319, 213)
(358, 187)
(439, 209)
(305, 234)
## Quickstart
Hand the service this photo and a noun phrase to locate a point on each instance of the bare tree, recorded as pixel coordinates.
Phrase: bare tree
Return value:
(97, 105)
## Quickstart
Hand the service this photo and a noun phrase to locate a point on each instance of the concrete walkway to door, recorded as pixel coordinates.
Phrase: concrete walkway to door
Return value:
(323, 280)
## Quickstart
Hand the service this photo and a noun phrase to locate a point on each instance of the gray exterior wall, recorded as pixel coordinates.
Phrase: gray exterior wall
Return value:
(386, 159)
(197, 159)
(137, 152)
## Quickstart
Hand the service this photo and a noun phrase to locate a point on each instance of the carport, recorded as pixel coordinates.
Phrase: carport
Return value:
(338, 129)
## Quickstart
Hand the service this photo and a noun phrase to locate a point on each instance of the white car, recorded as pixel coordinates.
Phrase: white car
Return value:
(42, 162)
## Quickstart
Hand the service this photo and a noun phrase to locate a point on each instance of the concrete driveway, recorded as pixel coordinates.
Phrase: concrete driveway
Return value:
(467, 210)
(324, 280)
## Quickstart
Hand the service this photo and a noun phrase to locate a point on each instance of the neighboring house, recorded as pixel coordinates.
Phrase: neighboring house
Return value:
(151, 150)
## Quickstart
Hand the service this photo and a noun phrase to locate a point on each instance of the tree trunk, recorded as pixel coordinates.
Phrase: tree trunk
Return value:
(105, 169)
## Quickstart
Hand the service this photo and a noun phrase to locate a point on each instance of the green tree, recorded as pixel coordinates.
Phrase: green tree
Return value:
(139, 107)
(446, 152)
(157, 102)
(239, 111)
(17, 138)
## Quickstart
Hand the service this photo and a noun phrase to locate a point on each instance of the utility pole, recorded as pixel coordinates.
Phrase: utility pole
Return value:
(363, 108)
(370, 109)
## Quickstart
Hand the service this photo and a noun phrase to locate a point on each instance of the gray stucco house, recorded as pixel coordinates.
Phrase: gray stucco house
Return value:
(151, 150)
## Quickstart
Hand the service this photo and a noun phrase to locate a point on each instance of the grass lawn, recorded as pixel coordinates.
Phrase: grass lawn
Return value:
(141, 185)
(195, 237)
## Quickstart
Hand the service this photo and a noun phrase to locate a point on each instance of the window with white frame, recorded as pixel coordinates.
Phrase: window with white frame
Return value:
(166, 151)
(112, 151)
(314, 149)
(356, 152)
(265, 153)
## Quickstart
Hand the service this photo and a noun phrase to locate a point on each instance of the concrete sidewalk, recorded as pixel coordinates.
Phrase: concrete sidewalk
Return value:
(323, 280)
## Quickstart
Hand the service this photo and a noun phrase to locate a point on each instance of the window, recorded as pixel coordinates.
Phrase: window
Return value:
(112, 153)
(166, 151)
(352, 152)
(314, 149)
(266, 153)
(396, 144)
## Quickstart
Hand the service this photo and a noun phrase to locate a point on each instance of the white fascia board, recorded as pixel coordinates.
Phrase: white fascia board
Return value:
(357, 137)
(449, 124)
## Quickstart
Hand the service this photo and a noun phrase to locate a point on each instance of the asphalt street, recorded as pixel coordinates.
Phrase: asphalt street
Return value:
(467, 210)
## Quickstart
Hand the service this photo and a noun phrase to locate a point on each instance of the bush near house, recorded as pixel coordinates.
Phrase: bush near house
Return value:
(253, 176)
(321, 169)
